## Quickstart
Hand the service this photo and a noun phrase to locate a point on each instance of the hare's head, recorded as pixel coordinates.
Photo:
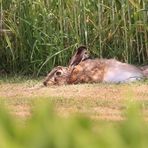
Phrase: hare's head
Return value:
(81, 54)
(58, 76)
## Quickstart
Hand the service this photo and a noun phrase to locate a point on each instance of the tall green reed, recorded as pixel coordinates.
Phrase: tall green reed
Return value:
(38, 35)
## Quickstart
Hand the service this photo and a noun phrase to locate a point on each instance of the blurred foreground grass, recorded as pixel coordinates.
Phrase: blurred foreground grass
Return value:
(45, 129)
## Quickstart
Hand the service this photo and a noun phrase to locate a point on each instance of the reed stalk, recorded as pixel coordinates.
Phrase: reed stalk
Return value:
(38, 35)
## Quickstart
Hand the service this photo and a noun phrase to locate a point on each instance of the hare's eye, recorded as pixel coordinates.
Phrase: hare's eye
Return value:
(85, 53)
(58, 73)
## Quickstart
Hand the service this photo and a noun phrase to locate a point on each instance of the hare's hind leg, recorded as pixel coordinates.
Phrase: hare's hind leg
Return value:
(121, 75)
(132, 79)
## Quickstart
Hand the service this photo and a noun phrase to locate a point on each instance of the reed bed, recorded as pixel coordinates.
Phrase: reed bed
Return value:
(37, 35)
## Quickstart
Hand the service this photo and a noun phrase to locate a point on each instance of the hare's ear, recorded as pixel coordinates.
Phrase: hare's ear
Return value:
(80, 54)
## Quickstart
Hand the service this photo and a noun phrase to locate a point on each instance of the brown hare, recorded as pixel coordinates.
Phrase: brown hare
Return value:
(94, 71)
(84, 70)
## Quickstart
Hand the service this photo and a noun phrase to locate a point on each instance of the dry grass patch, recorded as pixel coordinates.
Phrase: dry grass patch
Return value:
(98, 101)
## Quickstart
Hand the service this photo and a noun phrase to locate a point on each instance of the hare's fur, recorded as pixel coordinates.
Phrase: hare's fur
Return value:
(58, 76)
(80, 55)
(105, 71)
(94, 71)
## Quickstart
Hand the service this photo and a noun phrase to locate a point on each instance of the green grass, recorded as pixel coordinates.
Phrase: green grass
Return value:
(19, 79)
(88, 115)
(43, 34)
(46, 129)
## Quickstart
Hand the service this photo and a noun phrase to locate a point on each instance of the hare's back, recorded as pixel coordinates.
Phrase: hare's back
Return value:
(121, 72)
(88, 71)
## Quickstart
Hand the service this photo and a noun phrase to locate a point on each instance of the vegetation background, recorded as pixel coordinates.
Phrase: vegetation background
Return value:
(36, 35)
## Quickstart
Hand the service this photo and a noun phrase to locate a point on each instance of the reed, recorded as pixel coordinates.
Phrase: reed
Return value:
(38, 35)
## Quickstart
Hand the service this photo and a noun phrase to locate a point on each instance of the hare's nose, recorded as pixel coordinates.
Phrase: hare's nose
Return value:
(45, 83)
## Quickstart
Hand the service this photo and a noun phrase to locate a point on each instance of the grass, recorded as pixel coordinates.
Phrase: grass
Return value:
(46, 129)
(84, 115)
(73, 116)
(105, 101)
(38, 35)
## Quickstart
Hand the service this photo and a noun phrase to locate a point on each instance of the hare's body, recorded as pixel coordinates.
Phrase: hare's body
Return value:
(94, 71)
(104, 70)
(145, 70)
(121, 72)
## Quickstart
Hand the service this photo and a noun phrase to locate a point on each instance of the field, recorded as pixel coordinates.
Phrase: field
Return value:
(97, 101)
(37, 35)
(88, 115)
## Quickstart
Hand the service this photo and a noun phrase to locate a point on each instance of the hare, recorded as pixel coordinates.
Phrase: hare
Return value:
(94, 71)
(81, 69)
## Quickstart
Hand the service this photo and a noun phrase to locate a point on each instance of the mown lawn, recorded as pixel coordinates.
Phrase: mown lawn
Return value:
(97, 101)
